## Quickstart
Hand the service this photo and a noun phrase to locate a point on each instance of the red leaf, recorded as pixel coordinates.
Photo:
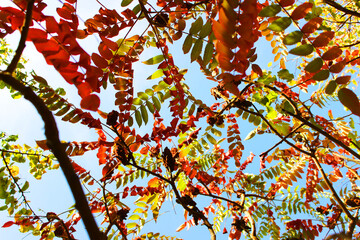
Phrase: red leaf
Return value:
(343, 79)
(285, 3)
(349, 99)
(145, 150)
(8, 224)
(99, 61)
(301, 11)
(312, 25)
(84, 89)
(51, 25)
(323, 39)
(110, 44)
(332, 53)
(257, 69)
(90, 102)
(37, 35)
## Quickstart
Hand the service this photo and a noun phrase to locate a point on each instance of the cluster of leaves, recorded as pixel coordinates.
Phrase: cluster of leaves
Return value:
(294, 194)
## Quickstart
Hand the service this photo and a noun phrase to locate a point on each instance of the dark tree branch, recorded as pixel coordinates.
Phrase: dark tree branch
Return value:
(53, 142)
(341, 8)
(24, 32)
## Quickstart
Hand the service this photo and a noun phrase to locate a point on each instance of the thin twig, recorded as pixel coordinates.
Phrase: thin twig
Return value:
(341, 8)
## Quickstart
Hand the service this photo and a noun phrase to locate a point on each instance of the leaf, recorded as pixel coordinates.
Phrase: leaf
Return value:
(144, 114)
(125, 3)
(205, 30)
(330, 87)
(90, 102)
(156, 102)
(8, 224)
(315, 65)
(280, 24)
(196, 51)
(285, 3)
(187, 44)
(208, 53)
(138, 118)
(302, 50)
(131, 225)
(196, 26)
(211, 139)
(270, 11)
(321, 75)
(312, 25)
(301, 11)
(285, 74)
(251, 134)
(337, 67)
(158, 73)
(343, 79)
(293, 37)
(323, 39)
(154, 60)
(25, 186)
(349, 99)
(42, 144)
(332, 53)
(134, 217)
(14, 170)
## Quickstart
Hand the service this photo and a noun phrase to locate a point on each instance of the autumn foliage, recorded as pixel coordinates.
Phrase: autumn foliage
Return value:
(302, 185)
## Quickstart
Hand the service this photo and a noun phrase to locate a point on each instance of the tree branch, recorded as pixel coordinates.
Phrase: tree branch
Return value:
(53, 142)
(24, 32)
(341, 8)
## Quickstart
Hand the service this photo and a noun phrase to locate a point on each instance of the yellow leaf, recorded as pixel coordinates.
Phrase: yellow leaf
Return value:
(14, 170)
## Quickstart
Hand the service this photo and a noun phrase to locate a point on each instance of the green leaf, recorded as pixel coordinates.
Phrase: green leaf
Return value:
(284, 74)
(195, 53)
(280, 24)
(131, 225)
(150, 106)
(196, 26)
(349, 99)
(63, 110)
(143, 96)
(156, 102)
(322, 75)
(292, 38)
(158, 73)
(138, 117)
(25, 186)
(205, 30)
(187, 44)
(137, 101)
(144, 114)
(314, 65)
(124, 3)
(302, 50)
(211, 139)
(251, 134)
(208, 53)
(154, 60)
(270, 11)
(134, 217)
(282, 128)
(330, 87)
(130, 121)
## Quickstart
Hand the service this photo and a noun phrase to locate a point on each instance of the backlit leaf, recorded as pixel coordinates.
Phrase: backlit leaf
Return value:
(144, 114)
(343, 79)
(196, 26)
(293, 37)
(332, 53)
(302, 50)
(301, 11)
(138, 117)
(321, 75)
(349, 99)
(154, 60)
(124, 3)
(280, 24)
(337, 67)
(251, 134)
(196, 51)
(158, 73)
(90, 102)
(330, 87)
(156, 102)
(208, 53)
(270, 11)
(314, 66)
(323, 39)
(285, 3)
(187, 44)
(312, 25)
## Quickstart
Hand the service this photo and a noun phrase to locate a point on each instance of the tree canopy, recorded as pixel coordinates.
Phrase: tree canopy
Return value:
(168, 143)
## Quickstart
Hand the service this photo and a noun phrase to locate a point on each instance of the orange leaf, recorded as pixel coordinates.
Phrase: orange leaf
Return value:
(223, 50)
(301, 11)
(343, 79)
(84, 89)
(312, 25)
(285, 3)
(349, 99)
(332, 53)
(145, 150)
(134, 146)
(337, 67)
(42, 144)
(223, 35)
(323, 39)
(154, 182)
(90, 102)
(226, 20)
(224, 62)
